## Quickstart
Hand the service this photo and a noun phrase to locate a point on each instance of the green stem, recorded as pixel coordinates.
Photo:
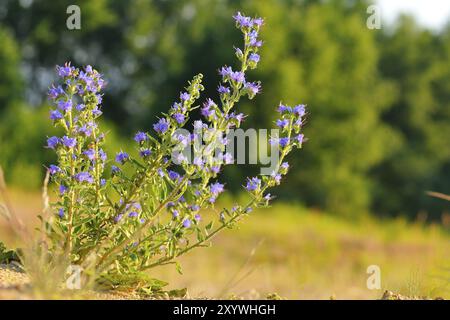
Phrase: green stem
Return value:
(138, 231)
(71, 191)
(166, 260)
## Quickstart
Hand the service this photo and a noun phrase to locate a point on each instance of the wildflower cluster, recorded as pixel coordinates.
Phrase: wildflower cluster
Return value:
(149, 211)
(290, 123)
(81, 159)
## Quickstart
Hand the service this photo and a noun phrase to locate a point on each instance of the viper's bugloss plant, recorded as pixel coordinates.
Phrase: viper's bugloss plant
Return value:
(147, 211)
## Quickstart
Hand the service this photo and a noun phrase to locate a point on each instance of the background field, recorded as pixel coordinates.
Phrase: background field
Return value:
(304, 254)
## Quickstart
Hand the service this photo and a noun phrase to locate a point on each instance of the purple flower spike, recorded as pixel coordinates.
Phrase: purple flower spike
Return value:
(179, 117)
(223, 90)
(55, 115)
(184, 96)
(254, 57)
(65, 105)
(90, 153)
(282, 123)
(69, 142)
(133, 214)
(96, 112)
(102, 155)
(115, 169)
(228, 158)
(145, 153)
(215, 169)
(242, 21)
(226, 72)
(161, 126)
(55, 92)
(80, 107)
(253, 184)
(63, 189)
(54, 169)
(87, 131)
(284, 142)
(65, 71)
(173, 175)
(52, 142)
(122, 157)
(84, 177)
(238, 76)
(140, 137)
(253, 87)
(186, 223)
(118, 218)
(258, 21)
(276, 177)
(300, 110)
(198, 162)
(216, 188)
(206, 112)
(282, 108)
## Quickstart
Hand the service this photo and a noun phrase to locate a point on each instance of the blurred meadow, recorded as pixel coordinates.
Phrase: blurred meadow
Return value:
(378, 133)
(300, 253)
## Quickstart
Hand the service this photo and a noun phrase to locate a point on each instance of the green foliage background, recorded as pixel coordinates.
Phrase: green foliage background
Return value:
(379, 100)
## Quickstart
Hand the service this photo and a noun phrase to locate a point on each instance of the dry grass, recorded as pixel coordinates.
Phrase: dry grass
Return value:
(301, 254)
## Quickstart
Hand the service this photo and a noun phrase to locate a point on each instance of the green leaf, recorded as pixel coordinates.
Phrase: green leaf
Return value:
(200, 236)
(209, 226)
(178, 267)
(178, 293)
(7, 256)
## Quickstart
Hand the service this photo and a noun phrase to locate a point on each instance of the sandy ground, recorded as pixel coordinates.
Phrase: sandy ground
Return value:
(15, 285)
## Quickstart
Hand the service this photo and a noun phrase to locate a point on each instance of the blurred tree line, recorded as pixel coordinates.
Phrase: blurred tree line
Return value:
(379, 100)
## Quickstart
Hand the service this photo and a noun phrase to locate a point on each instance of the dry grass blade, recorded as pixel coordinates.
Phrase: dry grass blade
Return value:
(3, 208)
(2, 180)
(5, 212)
(439, 195)
(46, 211)
(234, 280)
(15, 223)
(45, 198)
